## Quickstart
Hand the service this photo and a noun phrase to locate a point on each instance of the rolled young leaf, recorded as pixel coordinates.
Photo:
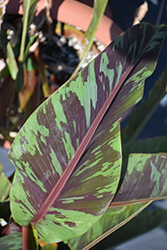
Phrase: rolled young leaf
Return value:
(68, 154)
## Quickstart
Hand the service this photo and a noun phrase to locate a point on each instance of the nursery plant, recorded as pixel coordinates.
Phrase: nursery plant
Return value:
(73, 182)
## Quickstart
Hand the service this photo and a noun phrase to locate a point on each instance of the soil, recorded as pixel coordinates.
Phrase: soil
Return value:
(59, 59)
(61, 56)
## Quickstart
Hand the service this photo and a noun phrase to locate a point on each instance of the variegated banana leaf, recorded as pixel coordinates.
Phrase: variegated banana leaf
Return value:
(145, 179)
(11, 241)
(115, 218)
(68, 154)
(112, 219)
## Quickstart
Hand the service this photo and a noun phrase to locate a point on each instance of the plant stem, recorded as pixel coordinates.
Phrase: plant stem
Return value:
(29, 8)
(25, 238)
(99, 8)
(38, 58)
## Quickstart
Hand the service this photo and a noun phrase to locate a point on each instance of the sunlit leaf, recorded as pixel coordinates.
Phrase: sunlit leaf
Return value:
(30, 42)
(11, 61)
(68, 154)
(98, 11)
(29, 8)
(104, 226)
(48, 246)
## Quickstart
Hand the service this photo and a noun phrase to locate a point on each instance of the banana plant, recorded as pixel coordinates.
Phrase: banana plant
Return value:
(69, 177)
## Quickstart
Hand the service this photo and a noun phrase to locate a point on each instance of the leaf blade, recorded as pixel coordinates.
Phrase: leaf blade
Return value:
(50, 138)
(112, 219)
(145, 179)
(29, 8)
(11, 61)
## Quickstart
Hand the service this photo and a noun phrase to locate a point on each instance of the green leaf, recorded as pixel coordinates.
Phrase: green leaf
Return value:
(68, 154)
(4, 185)
(138, 186)
(11, 61)
(30, 64)
(4, 72)
(98, 11)
(11, 242)
(145, 221)
(19, 81)
(112, 219)
(30, 42)
(29, 8)
(48, 246)
(145, 179)
(152, 145)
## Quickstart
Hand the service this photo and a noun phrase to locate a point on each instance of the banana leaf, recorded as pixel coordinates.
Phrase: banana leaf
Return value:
(112, 219)
(11, 242)
(68, 154)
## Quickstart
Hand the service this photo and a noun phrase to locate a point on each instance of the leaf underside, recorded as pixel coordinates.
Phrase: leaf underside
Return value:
(68, 154)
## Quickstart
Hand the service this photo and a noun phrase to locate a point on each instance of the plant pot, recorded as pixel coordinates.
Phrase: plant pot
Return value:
(78, 15)
(75, 13)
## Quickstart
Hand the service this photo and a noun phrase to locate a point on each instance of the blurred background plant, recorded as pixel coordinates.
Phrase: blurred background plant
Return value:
(36, 60)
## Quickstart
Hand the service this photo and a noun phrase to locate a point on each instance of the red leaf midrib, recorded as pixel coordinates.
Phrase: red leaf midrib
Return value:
(68, 171)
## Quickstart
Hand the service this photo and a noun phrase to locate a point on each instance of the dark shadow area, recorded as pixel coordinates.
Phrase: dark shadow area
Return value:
(123, 15)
